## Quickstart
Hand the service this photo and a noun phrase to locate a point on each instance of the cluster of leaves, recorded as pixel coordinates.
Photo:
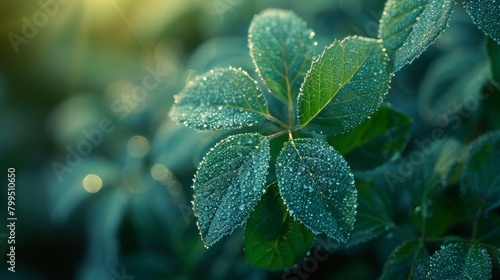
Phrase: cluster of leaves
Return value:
(287, 175)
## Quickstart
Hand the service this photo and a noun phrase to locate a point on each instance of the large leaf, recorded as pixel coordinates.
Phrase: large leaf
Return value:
(408, 27)
(460, 261)
(376, 141)
(229, 183)
(374, 213)
(222, 98)
(480, 181)
(408, 261)
(273, 239)
(486, 14)
(317, 186)
(344, 86)
(281, 47)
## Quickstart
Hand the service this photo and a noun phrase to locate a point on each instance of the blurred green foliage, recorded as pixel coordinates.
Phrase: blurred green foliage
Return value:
(90, 90)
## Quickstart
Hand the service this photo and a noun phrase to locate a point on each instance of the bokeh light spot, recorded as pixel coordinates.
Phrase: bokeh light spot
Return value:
(160, 173)
(138, 146)
(92, 183)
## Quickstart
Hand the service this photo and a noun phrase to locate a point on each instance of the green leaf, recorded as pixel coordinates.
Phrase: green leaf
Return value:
(431, 176)
(379, 139)
(344, 86)
(460, 261)
(408, 261)
(229, 183)
(282, 48)
(374, 213)
(486, 15)
(317, 187)
(273, 239)
(480, 181)
(455, 80)
(223, 98)
(408, 27)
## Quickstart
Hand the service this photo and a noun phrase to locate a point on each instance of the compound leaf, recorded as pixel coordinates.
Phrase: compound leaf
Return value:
(229, 183)
(486, 15)
(281, 47)
(460, 261)
(317, 187)
(480, 181)
(344, 86)
(377, 140)
(223, 98)
(273, 239)
(408, 261)
(408, 27)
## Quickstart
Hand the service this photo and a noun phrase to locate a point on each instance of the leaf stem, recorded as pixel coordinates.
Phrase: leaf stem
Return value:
(277, 134)
(277, 121)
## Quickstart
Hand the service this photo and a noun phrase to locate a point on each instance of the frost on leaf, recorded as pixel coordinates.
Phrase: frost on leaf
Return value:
(460, 261)
(344, 86)
(223, 98)
(317, 187)
(408, 27)
(229, 183)
(281, 47)
(486, 14)
(480, 181)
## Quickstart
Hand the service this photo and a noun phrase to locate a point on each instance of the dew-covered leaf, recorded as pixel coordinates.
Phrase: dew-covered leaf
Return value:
(460, 261)
(223, 98)
(408, 27)
(374, 213)
(486, 14)
(480, 181)
(281, 47)
(317, 187)
(379, 139)
(344, 86)
(408, 261)
(229, 183)
(273, 239)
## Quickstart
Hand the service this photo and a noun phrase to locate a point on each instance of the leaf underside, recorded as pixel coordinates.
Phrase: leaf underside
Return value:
(408, 27)
(486, 15)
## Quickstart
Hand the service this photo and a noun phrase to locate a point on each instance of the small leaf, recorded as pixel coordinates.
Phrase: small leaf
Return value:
(229, 183)
(344, 86)
(281, 47)
(460, 261)
(374, 213)
(408, 27)
(486, 15)
(223, 98)
(408, 261)
(480, 181)
(317, 186)
(376, 141)
(273, 239)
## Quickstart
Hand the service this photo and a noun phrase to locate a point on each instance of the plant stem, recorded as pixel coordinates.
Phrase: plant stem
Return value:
(277, 121)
